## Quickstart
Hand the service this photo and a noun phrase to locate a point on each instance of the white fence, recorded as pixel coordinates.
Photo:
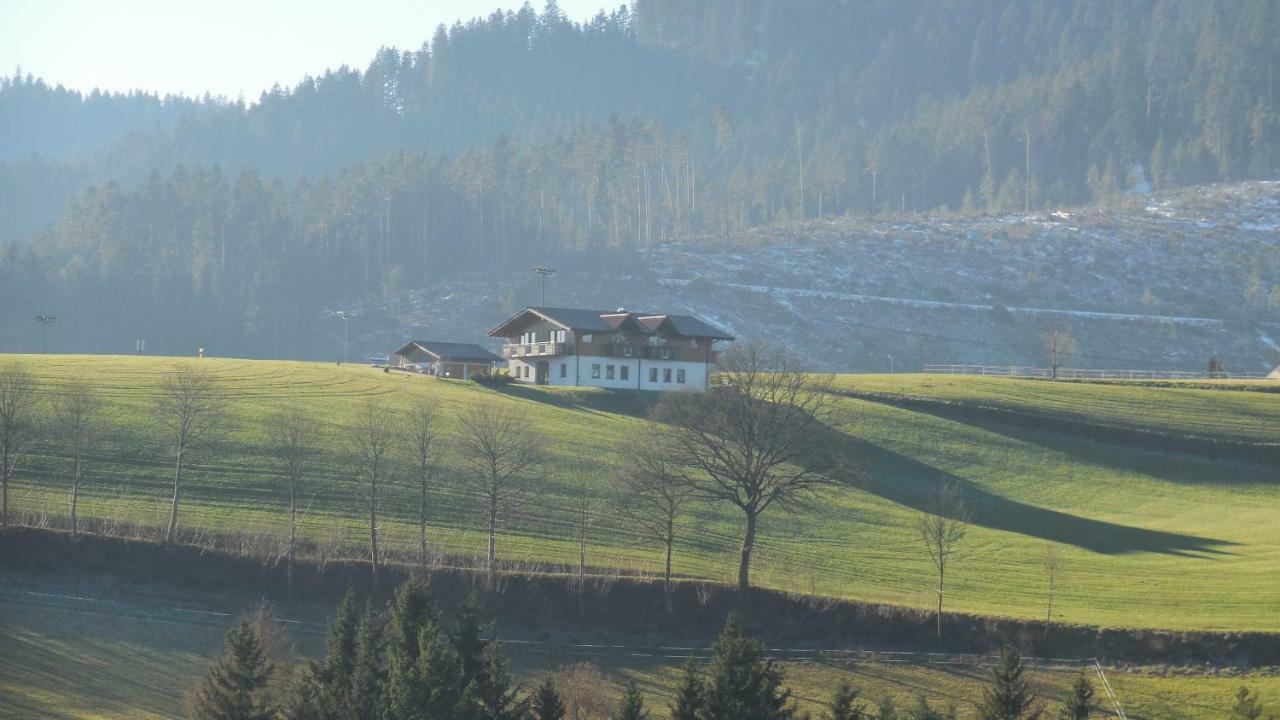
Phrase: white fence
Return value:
(1083, 374)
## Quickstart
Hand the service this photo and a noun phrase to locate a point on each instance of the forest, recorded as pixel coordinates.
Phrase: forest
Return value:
(526, 135)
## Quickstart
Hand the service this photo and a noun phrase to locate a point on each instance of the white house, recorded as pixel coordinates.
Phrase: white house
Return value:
(619, 349)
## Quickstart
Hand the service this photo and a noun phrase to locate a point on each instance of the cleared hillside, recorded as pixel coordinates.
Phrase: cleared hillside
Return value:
(1146, 539)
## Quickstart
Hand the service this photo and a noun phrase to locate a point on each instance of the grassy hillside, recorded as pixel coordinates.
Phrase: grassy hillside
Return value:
(92, 648)
(1146, 539)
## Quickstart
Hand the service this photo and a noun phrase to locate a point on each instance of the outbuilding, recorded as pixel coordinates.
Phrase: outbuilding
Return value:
(445, 359)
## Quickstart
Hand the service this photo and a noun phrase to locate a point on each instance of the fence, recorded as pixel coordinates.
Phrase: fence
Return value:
(1016, 371)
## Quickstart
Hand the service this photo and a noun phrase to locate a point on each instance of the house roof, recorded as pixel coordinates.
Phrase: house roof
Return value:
(607, 321)
(450, 351)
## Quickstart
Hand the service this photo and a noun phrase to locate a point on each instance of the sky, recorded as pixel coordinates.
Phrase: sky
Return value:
(224, 47)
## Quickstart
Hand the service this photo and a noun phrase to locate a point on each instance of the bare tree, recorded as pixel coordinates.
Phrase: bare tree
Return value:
(76, 424)
(1052, 564)
(423, 440)
(755, 439)
(654, 492)
(17, 407)
(296, 440)
(371, 437)
(942, 526)
(1058, 346)
(584, 508)
(504, 451)
(191, 408)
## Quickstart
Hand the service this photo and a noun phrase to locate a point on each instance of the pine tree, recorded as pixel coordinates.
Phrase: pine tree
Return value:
(234, 688)
(1079, 704)
(494, 696)
(546, 702)
(690, 696)
(844, 704)
(423, 676)
(307, 697)
(335, 675)
(742, 684)
(368, 674)
(469, 641)
(631, 705)
(1011, 697)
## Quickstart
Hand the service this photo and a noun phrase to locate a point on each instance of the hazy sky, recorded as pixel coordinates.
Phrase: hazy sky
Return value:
(222, 46)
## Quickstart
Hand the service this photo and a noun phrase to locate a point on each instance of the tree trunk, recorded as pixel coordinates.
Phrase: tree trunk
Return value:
(744, 561)
(4, 489)
(491, 560)
(293, 536)
(75, 496)
(940, 577)
(172, 531)
(422, 524)
(373, 526)
(666, 575)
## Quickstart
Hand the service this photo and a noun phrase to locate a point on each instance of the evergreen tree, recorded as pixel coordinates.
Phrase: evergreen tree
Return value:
(334, 677)
(844, 704)
(493, 695)
(234, 688)
(368, 674)
(469, 641)
(631, 705)
(1079, 704)
(690, 697)
(741, 683)
(307, 696)
(1010, 698)
(423, 672)
(546, 702)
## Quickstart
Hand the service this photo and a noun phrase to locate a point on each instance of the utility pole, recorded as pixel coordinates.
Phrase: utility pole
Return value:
(345, 316)
(543, 273)
(45, 321)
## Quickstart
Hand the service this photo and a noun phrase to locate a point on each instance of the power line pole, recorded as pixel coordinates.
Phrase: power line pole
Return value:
(45, 321)
(543, 273)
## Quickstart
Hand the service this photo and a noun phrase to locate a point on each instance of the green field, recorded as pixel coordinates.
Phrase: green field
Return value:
(97, 648)
(1146, 539)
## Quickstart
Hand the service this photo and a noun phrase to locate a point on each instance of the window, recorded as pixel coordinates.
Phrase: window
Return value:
(586, 338)
(626, 350)
(595, 371)
(666, 375)
(666, 353)
(608, 372)
(653, 375)
(624, 372)
(680, 376)
(564, 370)
(693, 343)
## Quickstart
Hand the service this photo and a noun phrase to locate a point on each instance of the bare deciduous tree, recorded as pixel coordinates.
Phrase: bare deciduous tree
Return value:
(296, 439)
(17, 406)
(1052, 564)
(654, 492)
(754, 439)
(941, 527)
(584, 509)
(1058, 346)
(371, 437)
(504, 451)
(423, 440)
(191, 408)
(76, 425)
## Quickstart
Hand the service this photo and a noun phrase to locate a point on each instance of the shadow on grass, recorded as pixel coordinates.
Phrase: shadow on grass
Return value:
(909, 482)
(637, 403)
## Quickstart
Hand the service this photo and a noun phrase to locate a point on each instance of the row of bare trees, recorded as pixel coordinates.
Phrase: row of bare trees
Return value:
(758, 439)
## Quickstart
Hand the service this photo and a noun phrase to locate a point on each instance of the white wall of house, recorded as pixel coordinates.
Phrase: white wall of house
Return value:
(609, 372)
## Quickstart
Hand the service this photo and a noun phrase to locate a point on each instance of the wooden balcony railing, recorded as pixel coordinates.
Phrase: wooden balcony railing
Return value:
(538, 349)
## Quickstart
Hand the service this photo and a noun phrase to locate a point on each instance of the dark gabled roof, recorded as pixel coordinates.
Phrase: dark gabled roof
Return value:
(451, 351)
(607, 321)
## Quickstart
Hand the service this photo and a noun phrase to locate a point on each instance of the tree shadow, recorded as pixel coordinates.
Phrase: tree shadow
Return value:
(636, 403)
(910, 483)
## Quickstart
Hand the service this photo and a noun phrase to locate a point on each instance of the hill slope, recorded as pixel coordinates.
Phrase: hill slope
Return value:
(1132, 526)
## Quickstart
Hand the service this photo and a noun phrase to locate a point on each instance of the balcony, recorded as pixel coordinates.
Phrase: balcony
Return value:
(538, 349)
